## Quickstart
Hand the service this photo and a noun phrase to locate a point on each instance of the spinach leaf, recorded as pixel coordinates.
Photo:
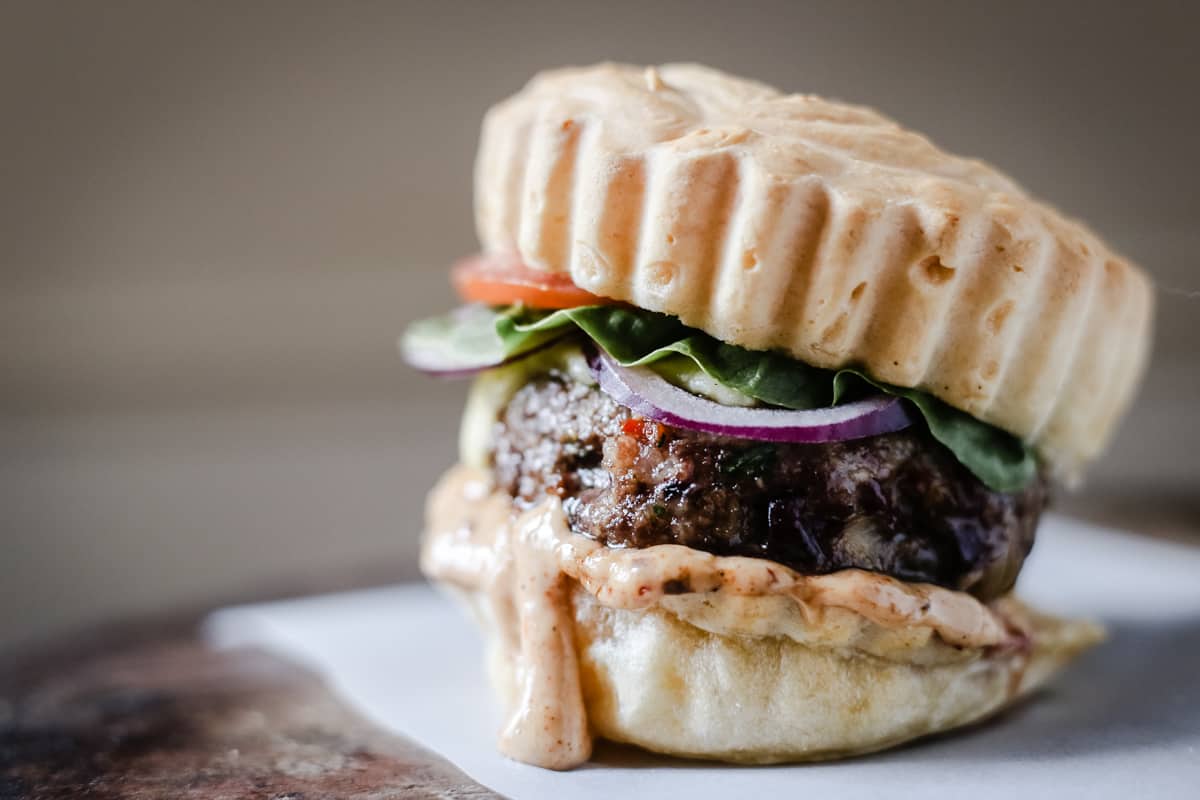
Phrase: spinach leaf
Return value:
(636, 337)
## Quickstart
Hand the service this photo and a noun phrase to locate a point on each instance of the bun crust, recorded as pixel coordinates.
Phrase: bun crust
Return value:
(822, 230)
(654, 680)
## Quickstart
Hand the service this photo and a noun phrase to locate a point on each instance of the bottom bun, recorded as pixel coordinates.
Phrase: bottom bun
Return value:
(653, 680)
(721, 657)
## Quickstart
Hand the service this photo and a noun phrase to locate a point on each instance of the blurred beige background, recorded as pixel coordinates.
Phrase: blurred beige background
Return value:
(216, 217)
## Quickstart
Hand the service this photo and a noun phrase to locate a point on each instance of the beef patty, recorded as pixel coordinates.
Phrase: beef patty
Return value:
(899, 503)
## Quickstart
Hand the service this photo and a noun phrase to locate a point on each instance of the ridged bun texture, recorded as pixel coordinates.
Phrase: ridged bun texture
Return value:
(822, 230)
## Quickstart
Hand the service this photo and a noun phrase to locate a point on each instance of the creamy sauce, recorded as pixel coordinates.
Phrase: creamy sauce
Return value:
(549, 724)
(525, 564)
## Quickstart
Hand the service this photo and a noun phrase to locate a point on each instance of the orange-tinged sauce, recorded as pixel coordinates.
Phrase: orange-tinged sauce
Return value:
(525, 564)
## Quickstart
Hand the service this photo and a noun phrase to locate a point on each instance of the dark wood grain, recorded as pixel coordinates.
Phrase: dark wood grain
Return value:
(163, 716)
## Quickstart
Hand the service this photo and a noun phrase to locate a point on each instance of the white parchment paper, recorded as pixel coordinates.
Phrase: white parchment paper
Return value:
(1123, 722)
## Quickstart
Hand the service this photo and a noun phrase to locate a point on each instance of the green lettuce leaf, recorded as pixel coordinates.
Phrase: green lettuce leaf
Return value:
(635, 337)
(467, 338)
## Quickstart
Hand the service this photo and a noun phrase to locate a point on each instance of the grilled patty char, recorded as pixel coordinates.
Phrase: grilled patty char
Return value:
(897, 503)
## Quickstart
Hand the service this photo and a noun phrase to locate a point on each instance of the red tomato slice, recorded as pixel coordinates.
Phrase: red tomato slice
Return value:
(501, 280)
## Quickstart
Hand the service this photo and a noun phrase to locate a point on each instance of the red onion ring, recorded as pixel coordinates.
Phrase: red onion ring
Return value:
(421, 362)
(433, 366)
(650, 395)
(434, 353)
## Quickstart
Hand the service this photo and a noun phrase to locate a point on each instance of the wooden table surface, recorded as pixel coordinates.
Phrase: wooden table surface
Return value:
(156, 714)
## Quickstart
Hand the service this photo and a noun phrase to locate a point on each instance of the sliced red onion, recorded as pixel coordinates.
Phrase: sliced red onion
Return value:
(432, 363)
(650, 395)
(460, 344)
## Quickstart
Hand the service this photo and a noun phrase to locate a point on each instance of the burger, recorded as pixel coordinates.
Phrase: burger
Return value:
(769, 396)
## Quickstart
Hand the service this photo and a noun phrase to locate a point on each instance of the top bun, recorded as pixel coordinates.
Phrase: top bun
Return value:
(822, 230)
